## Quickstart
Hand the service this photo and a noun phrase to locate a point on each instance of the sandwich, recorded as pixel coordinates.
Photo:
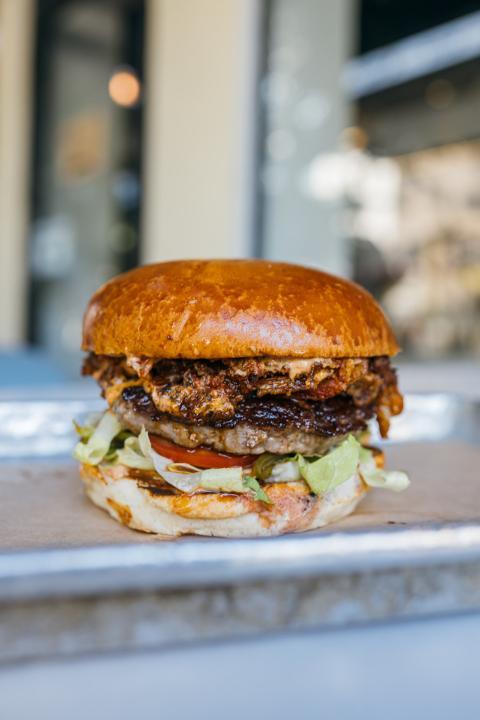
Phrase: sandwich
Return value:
(240, 395)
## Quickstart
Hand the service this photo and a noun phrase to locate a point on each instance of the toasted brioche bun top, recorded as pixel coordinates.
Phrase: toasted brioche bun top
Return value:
(234, 308)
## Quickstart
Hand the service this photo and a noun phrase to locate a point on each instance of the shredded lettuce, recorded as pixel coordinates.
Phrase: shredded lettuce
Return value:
(285, 471)
(395, 480)
(138, 453)
(226, 479)
(265, 464)
(132, 455)
(332, 469)
(258, 492)
(86, 430)
(102, 439)
(230, 480)
(97, 446)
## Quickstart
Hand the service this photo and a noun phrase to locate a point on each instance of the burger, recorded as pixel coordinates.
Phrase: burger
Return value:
(239, 397)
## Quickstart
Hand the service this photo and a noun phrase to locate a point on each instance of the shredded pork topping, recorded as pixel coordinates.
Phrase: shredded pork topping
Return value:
(222, 393)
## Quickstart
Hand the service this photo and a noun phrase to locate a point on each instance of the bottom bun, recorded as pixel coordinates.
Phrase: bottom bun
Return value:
(142, 503)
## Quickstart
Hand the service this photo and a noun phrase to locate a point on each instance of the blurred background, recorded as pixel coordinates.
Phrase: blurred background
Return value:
(343, 134)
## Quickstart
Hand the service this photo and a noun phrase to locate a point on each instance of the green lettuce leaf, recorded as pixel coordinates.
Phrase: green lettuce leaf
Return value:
(86, 430)
(104, 440)
(332, 469)
(265, 464)
(395, 480)
(285, 471)
(258, 492)
(133, 456)
(223, 479)
(229, 480)
(97, 446)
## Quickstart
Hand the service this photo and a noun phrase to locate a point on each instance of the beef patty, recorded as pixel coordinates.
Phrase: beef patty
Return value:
(252, 404)
(241, 439)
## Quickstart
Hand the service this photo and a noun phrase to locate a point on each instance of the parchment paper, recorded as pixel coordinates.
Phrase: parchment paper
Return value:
(42, 503)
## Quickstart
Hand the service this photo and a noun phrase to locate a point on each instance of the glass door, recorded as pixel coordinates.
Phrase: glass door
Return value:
(86, 175)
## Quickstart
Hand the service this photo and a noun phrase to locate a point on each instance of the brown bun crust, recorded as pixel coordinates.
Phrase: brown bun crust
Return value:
(234, 308)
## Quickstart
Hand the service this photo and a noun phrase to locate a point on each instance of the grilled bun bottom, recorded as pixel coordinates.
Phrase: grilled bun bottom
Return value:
(142, 505)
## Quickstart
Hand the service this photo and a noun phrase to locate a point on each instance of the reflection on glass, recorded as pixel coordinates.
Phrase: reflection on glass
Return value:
(425, 225)
(87, 165)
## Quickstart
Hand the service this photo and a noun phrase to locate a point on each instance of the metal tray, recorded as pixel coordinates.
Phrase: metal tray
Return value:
(53, 542)
(74, 581)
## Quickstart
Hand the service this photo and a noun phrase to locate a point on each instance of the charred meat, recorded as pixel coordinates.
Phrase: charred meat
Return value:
(200, 402)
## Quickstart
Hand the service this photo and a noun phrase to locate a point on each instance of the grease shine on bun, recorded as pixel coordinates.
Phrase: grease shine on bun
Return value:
(234, 308)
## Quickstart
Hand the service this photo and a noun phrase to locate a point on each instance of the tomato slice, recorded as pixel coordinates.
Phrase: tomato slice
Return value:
(200, 457)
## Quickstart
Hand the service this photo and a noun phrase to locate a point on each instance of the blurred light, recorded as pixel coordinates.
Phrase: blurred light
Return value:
(124, 88)
(53, 247)
(354, 137)
(327, 176)
(274, 180)
(280, 144)
(440, 94)
(470, 278)
(311, 111)
(277, 89)
(285, 58)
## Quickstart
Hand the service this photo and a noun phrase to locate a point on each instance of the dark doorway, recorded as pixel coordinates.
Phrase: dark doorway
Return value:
(86, 190)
